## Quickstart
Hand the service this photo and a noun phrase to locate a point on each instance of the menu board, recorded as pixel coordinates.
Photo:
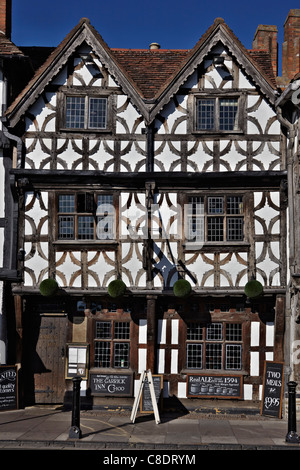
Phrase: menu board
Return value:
(111, 384)
(77, 360)
(217, 386)
(146, 405)
(8, 388)
(272, 389)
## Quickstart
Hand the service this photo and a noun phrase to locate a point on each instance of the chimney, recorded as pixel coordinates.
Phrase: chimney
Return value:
(265, 39)
(291, 45)
(5, 17)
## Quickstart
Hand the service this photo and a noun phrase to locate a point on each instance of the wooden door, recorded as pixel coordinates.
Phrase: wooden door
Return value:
(45, 358)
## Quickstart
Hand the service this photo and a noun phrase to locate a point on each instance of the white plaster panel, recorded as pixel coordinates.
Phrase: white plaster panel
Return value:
(248, 392)
(161, 331)
(254, 363)
(244, 82)
(101, 267)
(165, 159)
(38, 158)
(181, 390)
(174, 361)
(132, 265)
(35, 263)
(132, 160)
(270, 334)
(142, 360)
(160, 361)
(233, 268)
(142, 331)
(255, 333)
(69, 158)
(68, 271)
(174, 331)
(102, 155)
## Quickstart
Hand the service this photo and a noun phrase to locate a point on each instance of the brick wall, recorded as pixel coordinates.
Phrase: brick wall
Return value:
(291, 45)
(5, 17)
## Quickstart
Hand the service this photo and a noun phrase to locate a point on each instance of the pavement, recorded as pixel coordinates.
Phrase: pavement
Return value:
(114, 434)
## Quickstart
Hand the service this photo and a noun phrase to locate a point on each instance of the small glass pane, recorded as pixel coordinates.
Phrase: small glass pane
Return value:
(103, 330)
(121, 355)
(75, 106)
(85, 228)
(228, 114)
(205, 114)
(97, 113)
(233, 357)
(213, 356)
(102, 354)
(66, 229)
(194, 355)
(66, 203)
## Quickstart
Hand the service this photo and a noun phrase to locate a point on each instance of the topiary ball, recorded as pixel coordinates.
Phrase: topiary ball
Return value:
(253, 289)
(116, 288)
(48, 287)
(182, 288)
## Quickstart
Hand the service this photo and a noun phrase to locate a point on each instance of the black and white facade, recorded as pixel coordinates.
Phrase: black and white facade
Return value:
(149, 183)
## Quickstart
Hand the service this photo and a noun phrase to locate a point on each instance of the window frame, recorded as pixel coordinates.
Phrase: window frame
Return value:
(204, 218)
(217, 96)
(90, 209)
(87, 93)
(203, 343)
(112, 341)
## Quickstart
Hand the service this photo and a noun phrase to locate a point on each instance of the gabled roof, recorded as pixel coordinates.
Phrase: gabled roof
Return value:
(8, 48)
(149, 77)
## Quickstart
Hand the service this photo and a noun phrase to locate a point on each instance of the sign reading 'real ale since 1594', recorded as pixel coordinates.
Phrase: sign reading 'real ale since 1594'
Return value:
(8, 388)
(221, 386)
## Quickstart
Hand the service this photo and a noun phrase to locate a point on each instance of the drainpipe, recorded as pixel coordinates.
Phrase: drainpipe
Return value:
(290, 319)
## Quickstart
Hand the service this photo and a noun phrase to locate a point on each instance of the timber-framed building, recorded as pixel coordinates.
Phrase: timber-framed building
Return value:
(150, 167)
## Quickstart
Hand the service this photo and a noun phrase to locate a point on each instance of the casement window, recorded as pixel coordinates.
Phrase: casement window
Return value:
(86, 112)
(214, 346)
(217, 114)
(215, 218)
(85, 216)
(112, 344)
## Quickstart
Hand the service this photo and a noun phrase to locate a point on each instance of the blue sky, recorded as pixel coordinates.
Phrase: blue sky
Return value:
(174, 24)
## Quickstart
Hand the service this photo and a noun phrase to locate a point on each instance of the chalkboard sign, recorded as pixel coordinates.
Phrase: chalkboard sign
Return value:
(272, 389)
(111, 384)
(217, 386)
(146, 405)
(8, 388)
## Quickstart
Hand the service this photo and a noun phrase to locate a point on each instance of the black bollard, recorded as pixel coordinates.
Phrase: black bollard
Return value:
(75, 432)
(292, 435)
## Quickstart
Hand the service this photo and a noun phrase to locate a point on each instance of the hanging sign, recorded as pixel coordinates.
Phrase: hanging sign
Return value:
(271, 404)
(8, 388)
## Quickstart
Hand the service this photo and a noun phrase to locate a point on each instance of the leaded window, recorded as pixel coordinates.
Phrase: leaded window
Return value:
(112, 344)
(217, 114)
(84, 112)
(214, 346)
(215, 218)
(85, 216)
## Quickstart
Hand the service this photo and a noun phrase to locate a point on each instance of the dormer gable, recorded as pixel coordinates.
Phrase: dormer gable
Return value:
(149, 77)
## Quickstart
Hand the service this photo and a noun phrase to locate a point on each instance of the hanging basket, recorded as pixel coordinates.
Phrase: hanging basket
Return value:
(116, 288)
(253, 289)
(48, 287)
(182, 288)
